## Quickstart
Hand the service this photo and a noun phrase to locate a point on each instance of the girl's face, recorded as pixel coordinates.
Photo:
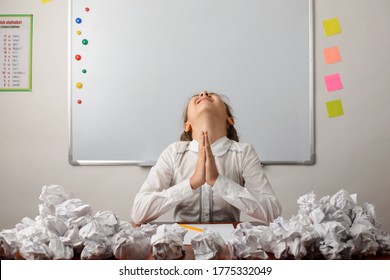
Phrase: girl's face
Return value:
(206, 101)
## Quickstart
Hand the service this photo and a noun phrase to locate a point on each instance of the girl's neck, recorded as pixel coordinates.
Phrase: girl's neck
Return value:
(215, 128)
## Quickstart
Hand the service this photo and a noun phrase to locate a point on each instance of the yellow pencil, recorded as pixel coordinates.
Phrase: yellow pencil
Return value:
(191, 228)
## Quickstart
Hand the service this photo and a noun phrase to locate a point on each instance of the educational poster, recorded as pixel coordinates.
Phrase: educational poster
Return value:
(16, 52)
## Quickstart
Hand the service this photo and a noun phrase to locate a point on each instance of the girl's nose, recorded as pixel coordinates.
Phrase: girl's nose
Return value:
(203, 93)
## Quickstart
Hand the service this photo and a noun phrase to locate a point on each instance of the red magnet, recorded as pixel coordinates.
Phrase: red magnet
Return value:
(87, 9)
(79, 101)
(78, 57)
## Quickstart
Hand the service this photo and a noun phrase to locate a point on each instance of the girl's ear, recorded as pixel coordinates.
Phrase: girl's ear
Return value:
(230, 121)
(187, 127)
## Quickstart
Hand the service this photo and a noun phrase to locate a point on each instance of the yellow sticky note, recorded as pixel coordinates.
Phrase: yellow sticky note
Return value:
(334, 108)
(45, 1)
(331, 26)
(332, 55)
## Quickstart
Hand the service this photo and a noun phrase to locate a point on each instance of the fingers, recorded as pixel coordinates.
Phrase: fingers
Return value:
(206, 169)
(207, 147)
(199, 176)
(201, 149)
(201, 142)
(206, 139)
(211, 168)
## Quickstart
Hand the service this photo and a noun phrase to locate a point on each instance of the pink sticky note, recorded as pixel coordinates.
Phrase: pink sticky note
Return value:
(333, 82)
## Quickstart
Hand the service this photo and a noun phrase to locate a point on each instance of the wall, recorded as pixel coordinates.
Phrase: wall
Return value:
(352, 151)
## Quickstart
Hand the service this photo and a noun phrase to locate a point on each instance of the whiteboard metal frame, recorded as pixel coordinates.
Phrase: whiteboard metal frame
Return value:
(74, 162)
(311, 97)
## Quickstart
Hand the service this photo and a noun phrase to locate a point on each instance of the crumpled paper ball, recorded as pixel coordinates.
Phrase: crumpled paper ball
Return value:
(132, 243)
(167, 243)
(244, 244)
(97, 235)
(52, 195)
(207, 245)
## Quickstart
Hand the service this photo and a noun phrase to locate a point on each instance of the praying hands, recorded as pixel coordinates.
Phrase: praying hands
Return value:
(206, 169)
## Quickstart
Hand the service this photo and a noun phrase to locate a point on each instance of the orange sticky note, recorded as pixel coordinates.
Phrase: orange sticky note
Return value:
(332, 55)
(331, 26)
(334, 108)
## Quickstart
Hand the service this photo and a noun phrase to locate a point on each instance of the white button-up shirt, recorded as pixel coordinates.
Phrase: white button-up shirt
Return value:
(242, 185)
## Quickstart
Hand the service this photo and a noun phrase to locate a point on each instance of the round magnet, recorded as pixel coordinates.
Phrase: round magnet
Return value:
(78, 20)
(79, 101)
(84, 71)
(78, 32)
(77, 57)
(86, 9)
(84, 41)
(79, 85)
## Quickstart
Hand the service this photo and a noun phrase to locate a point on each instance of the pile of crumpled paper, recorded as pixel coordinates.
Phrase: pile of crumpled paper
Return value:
(66, 226)
(333, 227)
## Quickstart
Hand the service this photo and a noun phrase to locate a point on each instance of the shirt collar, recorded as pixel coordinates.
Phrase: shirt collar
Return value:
(219, 147)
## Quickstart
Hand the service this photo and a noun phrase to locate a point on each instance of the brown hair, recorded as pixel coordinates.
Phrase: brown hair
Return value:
(231, 130)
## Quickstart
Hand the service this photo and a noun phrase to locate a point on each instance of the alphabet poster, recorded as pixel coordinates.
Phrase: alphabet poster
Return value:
(16, 52)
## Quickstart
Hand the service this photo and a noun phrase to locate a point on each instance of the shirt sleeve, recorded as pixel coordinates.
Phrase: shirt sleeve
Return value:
(156, 195)
(256, 198)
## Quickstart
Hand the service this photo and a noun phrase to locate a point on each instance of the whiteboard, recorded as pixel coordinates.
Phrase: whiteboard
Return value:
(134, 64)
